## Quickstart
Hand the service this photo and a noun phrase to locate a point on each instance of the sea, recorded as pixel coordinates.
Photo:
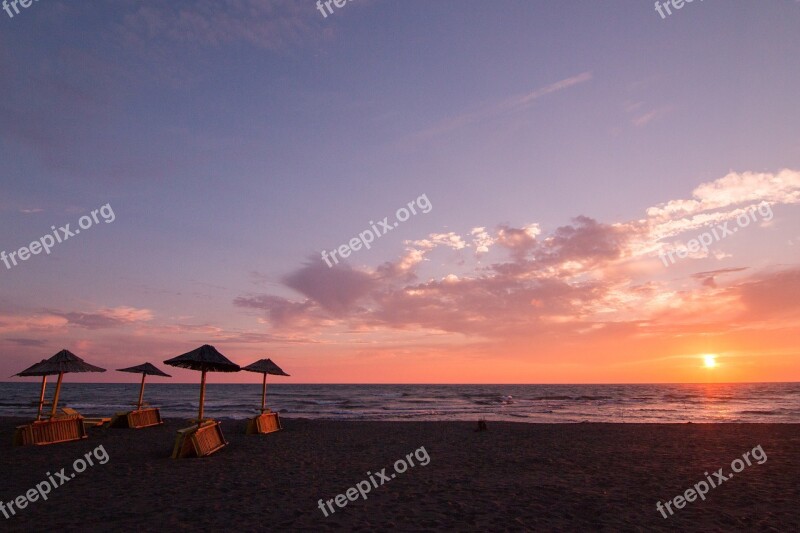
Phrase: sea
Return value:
(658, 403)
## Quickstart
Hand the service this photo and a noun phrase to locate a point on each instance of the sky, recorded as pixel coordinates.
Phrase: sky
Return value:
(601, 195)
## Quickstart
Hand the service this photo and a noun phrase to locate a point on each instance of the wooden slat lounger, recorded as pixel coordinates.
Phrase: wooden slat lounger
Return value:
(199, 441)
(138, 418)
(50, 431)
(264, 423)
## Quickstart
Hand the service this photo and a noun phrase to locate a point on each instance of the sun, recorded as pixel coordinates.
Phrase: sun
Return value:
(710, 360)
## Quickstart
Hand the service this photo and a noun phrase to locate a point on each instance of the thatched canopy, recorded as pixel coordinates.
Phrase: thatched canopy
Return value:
(62, 362)
(206, 359)
(37, 369)
(146, 369)
(265, 366)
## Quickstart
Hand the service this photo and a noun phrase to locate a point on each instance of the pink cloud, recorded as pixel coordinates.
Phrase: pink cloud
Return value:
(582, 279)
(36, 323)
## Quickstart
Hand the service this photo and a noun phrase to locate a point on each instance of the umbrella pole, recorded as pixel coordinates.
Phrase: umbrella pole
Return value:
(202, 397)
(141, 393)
(264, 394)
(41, 398)
(55, 398)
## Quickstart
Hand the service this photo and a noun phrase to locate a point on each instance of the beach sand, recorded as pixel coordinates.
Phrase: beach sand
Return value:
(512, 477)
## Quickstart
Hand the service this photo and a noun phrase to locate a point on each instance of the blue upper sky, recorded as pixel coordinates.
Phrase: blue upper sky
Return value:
(235, 140)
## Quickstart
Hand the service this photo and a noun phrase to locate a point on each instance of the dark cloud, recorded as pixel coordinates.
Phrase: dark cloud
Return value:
(569, 284)
(586, 239)
(280, 312)
(335, 289)
(517, 240)
(27, 342)
(105, 318)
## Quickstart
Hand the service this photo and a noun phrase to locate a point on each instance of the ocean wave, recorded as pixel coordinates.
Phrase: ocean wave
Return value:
(530, 403)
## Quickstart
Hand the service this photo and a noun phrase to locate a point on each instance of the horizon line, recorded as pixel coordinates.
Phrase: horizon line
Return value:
(29, 380)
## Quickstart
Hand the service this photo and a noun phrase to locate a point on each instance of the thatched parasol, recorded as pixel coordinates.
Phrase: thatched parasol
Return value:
(145, 370)
(37, 370)
(205, 359)
(63, 362)
(265, 366)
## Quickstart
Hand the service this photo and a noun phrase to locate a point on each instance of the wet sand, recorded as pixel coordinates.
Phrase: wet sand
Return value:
(512, 477)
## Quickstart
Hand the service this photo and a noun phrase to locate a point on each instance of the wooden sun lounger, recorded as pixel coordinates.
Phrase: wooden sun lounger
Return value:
(138, 418)
(96, 422)
(51, 431)
(88, 422)
(264, 423)
(199, 441)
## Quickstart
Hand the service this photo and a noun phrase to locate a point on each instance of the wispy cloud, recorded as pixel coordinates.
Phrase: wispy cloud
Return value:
(643, 119)
(513, 104)
(269, 24)
(106, 318)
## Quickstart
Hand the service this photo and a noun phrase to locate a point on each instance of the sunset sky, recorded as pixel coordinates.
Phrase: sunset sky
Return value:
(562, 146)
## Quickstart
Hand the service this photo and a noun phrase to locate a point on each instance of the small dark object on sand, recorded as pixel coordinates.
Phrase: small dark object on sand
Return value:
(482, 425)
